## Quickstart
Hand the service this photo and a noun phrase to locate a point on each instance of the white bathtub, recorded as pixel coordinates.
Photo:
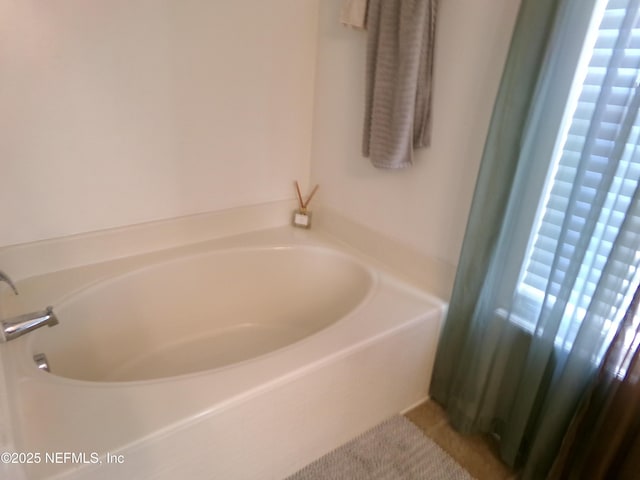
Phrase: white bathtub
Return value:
(245, 357)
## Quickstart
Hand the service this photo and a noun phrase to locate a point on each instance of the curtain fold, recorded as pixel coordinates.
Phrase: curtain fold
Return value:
(495, 179)
(514, 360)
(603, 440)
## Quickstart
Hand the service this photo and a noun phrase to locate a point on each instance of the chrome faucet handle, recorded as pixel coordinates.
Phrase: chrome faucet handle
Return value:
(5, 278)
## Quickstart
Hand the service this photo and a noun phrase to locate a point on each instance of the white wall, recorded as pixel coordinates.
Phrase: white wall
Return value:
(426, 205)
(125, 111)
(120, 112)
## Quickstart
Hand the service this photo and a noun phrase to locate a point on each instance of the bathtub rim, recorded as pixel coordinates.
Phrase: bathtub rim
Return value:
(110, 278)
(26, 351)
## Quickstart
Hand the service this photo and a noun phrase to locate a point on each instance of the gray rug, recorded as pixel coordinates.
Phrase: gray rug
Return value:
(395, 449)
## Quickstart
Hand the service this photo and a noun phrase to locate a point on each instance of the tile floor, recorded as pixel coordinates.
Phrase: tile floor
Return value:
(476, 453)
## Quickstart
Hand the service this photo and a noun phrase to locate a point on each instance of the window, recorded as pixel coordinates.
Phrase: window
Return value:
(602, 124)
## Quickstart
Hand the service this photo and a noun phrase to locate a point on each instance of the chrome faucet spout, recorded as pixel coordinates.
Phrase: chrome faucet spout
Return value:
(5, 278)
(18, 326)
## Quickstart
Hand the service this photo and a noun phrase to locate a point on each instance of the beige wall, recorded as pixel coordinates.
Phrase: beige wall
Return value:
(120, 112)
(426, 205)
(124, 111)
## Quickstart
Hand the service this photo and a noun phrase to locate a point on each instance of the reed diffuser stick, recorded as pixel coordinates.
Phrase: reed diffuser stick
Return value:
(310, 196)
(299, 196)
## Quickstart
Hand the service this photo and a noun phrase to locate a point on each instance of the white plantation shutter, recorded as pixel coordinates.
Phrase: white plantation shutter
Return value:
(604, 126)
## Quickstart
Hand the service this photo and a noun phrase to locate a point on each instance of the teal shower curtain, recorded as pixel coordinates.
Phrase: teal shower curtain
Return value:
(514, 359)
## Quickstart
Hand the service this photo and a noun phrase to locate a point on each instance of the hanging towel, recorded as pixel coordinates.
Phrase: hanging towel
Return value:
(354, 13)
(399, 77)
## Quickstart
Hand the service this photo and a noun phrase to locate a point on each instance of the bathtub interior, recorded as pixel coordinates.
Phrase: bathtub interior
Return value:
(200, 312)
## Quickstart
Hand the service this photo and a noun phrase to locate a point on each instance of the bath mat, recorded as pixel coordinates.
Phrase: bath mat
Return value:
(394, 450)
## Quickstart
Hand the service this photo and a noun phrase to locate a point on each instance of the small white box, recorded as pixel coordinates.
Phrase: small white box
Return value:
(301, 219)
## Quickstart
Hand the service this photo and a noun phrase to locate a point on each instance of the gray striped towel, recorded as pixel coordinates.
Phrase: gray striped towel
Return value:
(400, 53)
